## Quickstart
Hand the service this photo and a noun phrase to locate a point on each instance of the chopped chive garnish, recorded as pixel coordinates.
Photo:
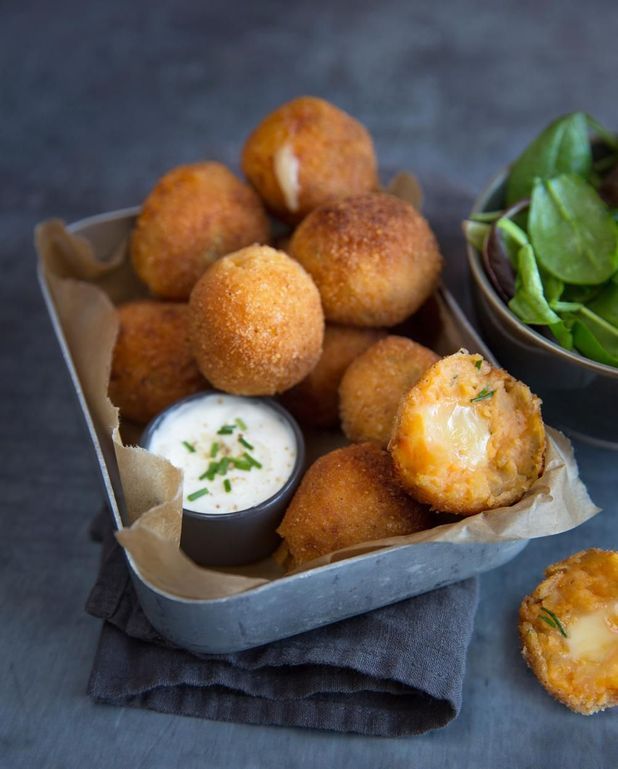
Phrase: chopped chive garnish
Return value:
(211, 472)
(223, 465)
(240, 463)
(552, 620)
(253, 462)
(227, 485)
(189, 446)
(245, 443)
(479, 363)
(241, 423)
(197, 494)
(483, 395)
(226, 430)
(549, 621)
(205, 473)
(214, 449)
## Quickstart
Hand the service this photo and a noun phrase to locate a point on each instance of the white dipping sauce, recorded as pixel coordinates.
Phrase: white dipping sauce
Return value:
(234, 452)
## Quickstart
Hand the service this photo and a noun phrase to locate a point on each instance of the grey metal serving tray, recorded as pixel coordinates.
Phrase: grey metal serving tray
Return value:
(300, 602)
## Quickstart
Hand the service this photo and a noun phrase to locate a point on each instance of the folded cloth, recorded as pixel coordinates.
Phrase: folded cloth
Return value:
(394, 671)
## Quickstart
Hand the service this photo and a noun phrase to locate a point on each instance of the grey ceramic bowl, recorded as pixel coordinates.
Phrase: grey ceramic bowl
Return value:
(579, 395)
(242, 536)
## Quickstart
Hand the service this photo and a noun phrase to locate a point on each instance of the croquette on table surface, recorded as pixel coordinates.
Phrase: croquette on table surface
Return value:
(577, 587)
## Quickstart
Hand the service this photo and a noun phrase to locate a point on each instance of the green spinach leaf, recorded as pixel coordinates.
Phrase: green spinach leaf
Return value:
(595, 341)
(562, 333)
(529, 303)
(486, 216)
(573, 234)
(513, 239)
(562, 147)
(476, 233)
(591, 334)
(606, 304)
(552, 286)
(582, 294)
(607, 137)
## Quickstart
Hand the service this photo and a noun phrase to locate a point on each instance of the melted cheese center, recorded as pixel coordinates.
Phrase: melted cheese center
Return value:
(594, 636)
(458, 431)
(287, 172)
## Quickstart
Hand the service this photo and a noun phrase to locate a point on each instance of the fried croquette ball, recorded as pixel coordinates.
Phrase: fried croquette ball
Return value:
(195, 214)
(152, 362)
(373, 258)
(307, 152)
(468, 437)
(315, 400)
(374, 384)
(569, 630)
(347, 497)
(256, 322)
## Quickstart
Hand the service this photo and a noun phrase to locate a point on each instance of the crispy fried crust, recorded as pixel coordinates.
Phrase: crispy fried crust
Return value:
(195, 214)
(256, 322)
(152, 364)
(347, 497)
(374, 384)
(581, 586)
(373, 257)
(468, 437)
(329, 155)
(315, 400)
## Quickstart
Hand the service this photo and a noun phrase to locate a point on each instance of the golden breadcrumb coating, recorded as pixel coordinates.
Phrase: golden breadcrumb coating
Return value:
(569, 630)
(307, 152)
(374, 384)
(152, 363)
(468, 437)
(256, 322)
(315, 400)
(373, 257)
(348, 497)
(195, 214)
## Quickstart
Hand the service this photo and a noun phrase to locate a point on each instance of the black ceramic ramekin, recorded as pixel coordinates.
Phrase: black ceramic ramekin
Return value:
(242, 536)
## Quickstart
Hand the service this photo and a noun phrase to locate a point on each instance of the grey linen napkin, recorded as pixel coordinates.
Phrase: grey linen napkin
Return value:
(395, 671)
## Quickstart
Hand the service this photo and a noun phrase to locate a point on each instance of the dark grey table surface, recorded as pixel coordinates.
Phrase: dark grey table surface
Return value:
(96, 101)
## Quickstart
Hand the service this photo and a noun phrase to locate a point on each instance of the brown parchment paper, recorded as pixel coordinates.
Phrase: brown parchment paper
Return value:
(85, 278)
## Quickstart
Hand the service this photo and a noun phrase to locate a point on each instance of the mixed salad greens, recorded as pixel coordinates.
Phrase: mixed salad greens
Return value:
(552, 252)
